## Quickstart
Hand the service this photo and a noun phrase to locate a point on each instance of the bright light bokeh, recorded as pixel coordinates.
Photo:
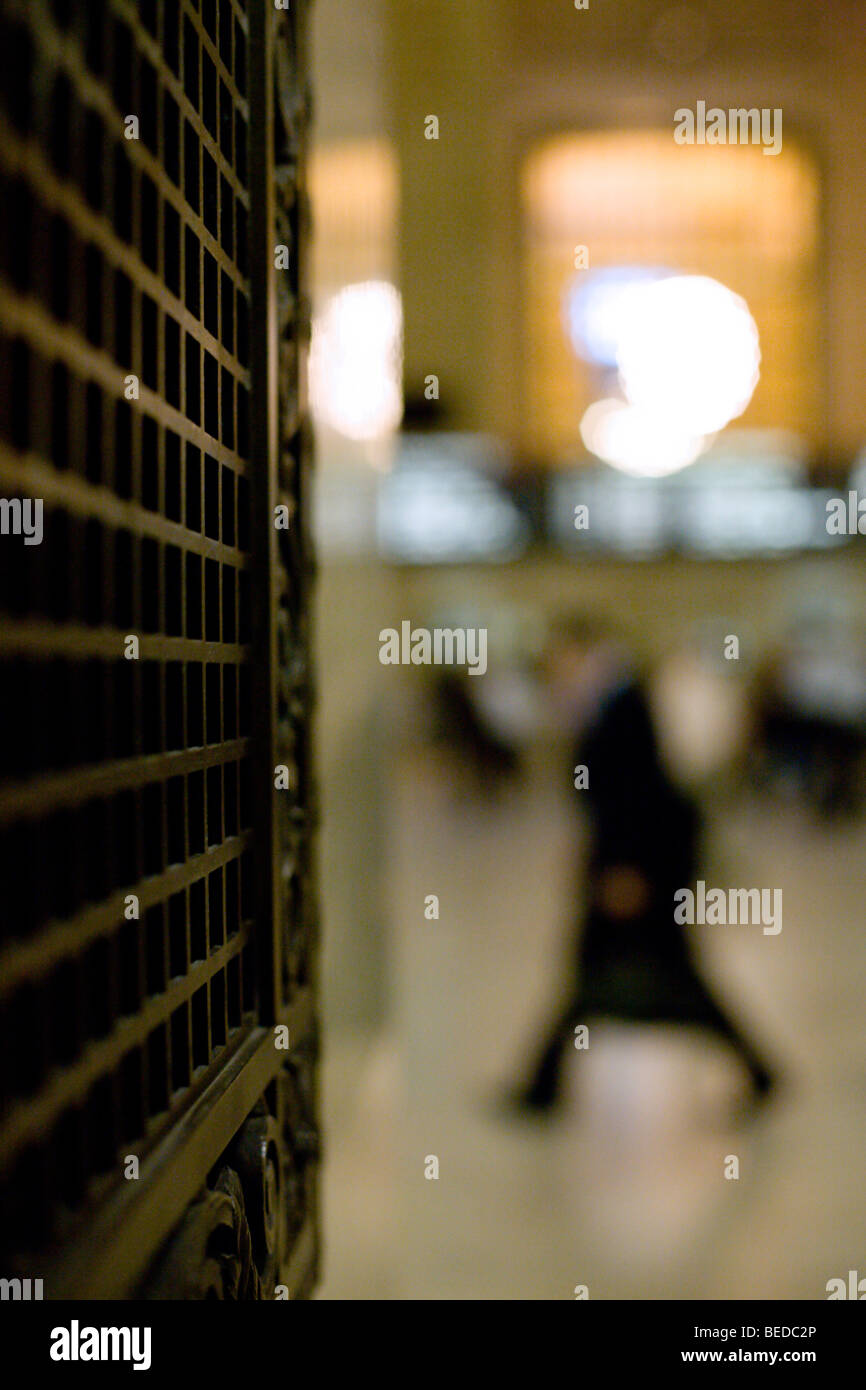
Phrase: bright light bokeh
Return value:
(639, 441)
(689, 352)
(356, 361)
(596, 307)
(632, 200)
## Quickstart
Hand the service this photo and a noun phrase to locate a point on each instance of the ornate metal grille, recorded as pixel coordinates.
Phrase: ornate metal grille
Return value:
(158, 918)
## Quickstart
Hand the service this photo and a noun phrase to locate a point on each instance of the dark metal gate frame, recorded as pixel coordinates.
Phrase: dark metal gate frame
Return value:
(185, 1070)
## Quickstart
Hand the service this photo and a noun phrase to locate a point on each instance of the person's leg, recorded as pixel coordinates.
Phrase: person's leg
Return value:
(709, 1014)
(542, 1090)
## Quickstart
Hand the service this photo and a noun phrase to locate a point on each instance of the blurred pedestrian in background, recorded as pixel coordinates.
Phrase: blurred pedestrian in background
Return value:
(632, 961)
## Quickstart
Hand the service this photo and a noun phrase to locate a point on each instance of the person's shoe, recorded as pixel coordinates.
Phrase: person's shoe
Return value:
(763, 1082)
(528, 1103)
(765, 1086)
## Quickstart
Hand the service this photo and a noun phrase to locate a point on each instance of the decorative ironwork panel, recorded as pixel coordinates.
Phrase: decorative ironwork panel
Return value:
(157, 930)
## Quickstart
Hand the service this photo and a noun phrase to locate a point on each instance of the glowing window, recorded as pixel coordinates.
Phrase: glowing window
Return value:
(637, 200)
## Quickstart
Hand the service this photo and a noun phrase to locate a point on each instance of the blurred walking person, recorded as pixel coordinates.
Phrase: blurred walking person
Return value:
(632, 961)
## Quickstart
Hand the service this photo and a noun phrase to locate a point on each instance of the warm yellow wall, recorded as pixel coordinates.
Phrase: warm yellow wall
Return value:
(746, 219)
(449, 60)
(503, 74)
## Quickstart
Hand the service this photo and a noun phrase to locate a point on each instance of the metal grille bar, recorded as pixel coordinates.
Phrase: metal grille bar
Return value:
(158, 913)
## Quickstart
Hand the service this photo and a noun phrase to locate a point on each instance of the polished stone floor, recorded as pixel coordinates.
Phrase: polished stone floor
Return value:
(626, 1193)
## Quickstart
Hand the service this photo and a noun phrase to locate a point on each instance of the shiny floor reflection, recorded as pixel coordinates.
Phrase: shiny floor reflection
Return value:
(625, 1193)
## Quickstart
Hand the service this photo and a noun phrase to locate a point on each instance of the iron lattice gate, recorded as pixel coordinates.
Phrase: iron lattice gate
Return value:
(158, 914)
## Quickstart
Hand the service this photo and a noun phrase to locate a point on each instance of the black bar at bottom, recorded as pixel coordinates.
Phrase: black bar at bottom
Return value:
(602, 1338)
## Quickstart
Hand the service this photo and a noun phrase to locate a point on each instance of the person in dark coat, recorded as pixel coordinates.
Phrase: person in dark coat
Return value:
(632, 960)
